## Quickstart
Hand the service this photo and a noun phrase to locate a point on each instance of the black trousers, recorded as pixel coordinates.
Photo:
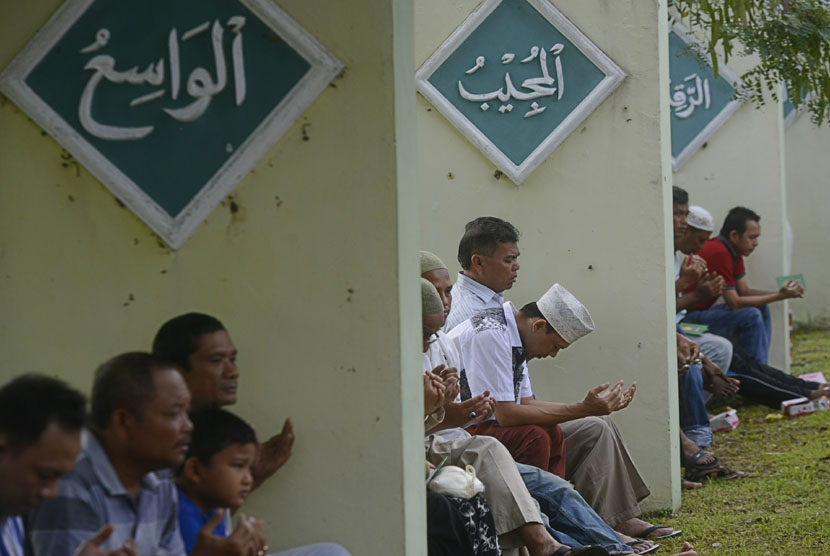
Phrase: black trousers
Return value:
(765, 384)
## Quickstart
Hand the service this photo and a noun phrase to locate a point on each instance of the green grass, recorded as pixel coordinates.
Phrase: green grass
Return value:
(784, 508)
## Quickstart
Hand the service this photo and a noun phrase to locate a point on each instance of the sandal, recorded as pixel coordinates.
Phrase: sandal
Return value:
(648, 549)
(588, 550)
(693, 461)
(713, 474)
(644, 534)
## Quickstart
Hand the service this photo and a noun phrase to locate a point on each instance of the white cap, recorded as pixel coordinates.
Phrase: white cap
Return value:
(565, 314)
(700, 219)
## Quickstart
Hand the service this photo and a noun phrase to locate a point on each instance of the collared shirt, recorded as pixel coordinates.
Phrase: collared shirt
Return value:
(191, 520)
(723, 260)
(492, 355)
(92, 496)
(11, 536)
(468, 298)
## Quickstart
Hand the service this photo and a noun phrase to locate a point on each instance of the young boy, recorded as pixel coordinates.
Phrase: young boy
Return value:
(215, 475)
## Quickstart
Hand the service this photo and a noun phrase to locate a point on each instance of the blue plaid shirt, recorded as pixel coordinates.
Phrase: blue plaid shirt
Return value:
(92, 496)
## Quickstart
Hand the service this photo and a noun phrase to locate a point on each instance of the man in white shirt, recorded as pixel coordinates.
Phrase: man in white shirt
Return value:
(495, 345)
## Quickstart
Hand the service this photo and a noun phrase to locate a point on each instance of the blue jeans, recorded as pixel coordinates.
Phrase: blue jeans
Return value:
(751, 325)
(694, 420)
(565, 514)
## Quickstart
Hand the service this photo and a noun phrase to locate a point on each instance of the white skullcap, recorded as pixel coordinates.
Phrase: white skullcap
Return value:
(565, 314)
(700, 219)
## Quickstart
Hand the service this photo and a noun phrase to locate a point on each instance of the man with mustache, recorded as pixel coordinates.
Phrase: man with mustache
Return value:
(202, 350)
(138, 427)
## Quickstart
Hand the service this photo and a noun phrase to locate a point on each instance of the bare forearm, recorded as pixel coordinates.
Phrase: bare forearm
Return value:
(535, 412)
(686, 301)
(752, 300)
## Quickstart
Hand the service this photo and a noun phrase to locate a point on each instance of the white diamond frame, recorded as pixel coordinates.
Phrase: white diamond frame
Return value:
(173, 230)
(715, 124)
(518, 173)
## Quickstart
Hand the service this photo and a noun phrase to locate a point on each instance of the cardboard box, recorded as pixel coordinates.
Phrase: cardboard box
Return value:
(814, 377)
(726, 421)
(797, 406)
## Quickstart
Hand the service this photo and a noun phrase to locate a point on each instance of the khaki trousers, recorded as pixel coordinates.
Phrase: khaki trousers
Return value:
(505, 491)
(601, 470)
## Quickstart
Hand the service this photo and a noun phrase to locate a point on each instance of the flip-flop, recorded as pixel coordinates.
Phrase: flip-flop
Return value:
(644, 533)
(588, 550)
(714, 474)
(653, 548)
(693, 461)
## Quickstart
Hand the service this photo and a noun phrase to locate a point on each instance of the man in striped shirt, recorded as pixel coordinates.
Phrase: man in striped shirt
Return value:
(40, 435)
(139, 427)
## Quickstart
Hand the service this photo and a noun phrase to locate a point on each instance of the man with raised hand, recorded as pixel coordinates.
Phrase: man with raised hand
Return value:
(495, 345)
(202, 350)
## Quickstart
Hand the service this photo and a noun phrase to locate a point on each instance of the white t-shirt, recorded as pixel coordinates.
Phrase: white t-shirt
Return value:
(492, 355)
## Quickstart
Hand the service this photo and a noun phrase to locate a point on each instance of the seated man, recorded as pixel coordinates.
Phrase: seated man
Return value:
(488, 253)
(40, 437)
(573, 522)
(699, 361)
(758, 380)
(495, 345)
(744, 311)
(139, 426)
(216, 478)
(202, 350)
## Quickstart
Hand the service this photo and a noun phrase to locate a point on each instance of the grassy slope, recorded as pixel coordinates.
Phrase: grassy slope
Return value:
(784, 508)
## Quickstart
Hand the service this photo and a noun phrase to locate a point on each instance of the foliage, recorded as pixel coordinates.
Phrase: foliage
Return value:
(791, 39)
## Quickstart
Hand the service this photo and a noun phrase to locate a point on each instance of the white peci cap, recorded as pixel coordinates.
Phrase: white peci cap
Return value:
(565, 314)
(700, 219)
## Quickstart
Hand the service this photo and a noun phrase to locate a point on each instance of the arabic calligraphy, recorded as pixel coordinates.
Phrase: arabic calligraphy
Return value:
(530, 89)
(690, 94)
(201, 85)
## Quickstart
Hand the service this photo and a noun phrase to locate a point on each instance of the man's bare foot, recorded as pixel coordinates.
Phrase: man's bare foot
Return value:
(689, 485)
(822, 390)
(537, 539)
(638, 545)
(688, 550)
(689, 449)
(634, 527)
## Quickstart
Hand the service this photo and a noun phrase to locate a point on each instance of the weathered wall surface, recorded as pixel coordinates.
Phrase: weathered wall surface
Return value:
(808, 197)
(301, 263)
(594, 217)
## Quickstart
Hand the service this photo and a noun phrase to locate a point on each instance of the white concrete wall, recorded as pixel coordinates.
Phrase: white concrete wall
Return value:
(742, 164)
(594, 217)
(315, 277)
(808, 197)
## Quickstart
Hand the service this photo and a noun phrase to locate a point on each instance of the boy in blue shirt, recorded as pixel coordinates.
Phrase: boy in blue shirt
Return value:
(215, 479)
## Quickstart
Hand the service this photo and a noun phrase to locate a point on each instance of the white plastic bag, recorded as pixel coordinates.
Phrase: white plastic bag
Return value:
(454, 481)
